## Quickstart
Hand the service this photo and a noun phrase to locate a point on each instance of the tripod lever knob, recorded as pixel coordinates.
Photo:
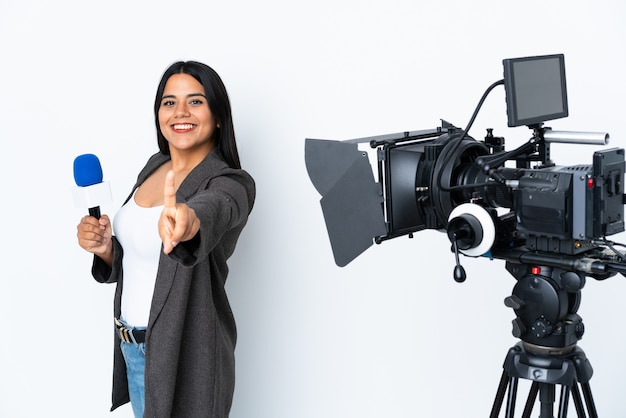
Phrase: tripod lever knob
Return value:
(519, 329)
(513, 302)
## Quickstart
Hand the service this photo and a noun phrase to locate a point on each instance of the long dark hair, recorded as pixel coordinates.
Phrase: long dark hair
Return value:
(219, 104)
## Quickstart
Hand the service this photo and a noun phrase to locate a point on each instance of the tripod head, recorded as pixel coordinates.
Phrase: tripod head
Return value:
(547, 294)
(545, 300)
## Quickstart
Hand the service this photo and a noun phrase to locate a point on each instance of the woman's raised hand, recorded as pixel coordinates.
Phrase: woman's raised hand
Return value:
(178, 221)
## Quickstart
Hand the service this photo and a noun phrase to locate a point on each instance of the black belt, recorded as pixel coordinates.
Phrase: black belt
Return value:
(130, 335)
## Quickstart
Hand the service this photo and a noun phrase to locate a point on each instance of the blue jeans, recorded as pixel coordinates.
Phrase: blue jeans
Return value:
(135, 358)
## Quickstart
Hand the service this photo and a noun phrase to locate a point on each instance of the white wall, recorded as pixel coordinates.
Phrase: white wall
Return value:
(390, 335)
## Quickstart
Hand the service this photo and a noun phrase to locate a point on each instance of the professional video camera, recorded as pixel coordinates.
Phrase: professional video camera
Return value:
(548, 222)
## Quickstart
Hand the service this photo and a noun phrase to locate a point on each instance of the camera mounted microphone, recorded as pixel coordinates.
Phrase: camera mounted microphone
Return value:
(90, 190)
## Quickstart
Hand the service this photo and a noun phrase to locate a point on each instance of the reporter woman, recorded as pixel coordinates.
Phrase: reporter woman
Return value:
(175, 331)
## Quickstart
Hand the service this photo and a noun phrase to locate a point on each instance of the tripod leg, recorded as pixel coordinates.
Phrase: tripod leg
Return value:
(510, 402)
(497, 403)
(591, 406)
(530, 401)
(546, 400)
(564, 403)
(578, 401)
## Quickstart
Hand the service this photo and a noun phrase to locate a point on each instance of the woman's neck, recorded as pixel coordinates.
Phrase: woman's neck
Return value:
(184, 161)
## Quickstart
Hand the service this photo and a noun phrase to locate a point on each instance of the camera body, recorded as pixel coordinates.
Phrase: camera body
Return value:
(565, 209)
(557, 209)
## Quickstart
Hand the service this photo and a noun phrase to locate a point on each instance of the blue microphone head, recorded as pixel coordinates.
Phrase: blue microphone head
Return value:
(87, 170)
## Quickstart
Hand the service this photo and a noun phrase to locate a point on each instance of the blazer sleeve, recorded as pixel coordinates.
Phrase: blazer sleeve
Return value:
(222, 207)
(102, 272)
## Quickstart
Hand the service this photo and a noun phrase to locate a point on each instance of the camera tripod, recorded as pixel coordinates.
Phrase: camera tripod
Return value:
(568, 368)
(545, 300)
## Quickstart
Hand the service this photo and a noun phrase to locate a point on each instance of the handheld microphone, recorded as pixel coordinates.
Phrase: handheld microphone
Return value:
(90, 190)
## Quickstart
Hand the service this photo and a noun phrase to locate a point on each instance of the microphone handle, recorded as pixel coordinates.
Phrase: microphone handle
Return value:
(95, 212)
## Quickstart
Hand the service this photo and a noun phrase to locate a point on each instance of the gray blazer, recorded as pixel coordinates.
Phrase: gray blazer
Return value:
(190, 342)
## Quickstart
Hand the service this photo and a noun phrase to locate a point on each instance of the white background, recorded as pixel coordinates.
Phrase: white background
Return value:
(391, 334)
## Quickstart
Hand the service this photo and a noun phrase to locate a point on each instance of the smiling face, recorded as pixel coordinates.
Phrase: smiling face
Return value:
(184, 115)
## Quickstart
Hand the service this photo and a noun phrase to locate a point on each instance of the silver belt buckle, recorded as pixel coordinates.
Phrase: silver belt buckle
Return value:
(125, 335)
(123, 332)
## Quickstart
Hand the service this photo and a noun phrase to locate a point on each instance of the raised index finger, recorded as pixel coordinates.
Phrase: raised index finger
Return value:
(169, 191)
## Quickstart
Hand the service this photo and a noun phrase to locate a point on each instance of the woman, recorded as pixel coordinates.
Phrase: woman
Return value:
(173, 235)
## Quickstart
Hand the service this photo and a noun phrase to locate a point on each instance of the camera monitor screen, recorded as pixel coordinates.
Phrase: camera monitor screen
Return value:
(535, 89)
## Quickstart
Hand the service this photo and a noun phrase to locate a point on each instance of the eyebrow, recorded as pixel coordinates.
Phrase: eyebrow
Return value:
(171, 96)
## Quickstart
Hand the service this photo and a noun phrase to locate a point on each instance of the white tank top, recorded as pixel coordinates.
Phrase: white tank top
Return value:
(136, 228)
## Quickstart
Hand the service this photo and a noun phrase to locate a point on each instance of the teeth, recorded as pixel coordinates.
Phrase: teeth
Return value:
(184, 126)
